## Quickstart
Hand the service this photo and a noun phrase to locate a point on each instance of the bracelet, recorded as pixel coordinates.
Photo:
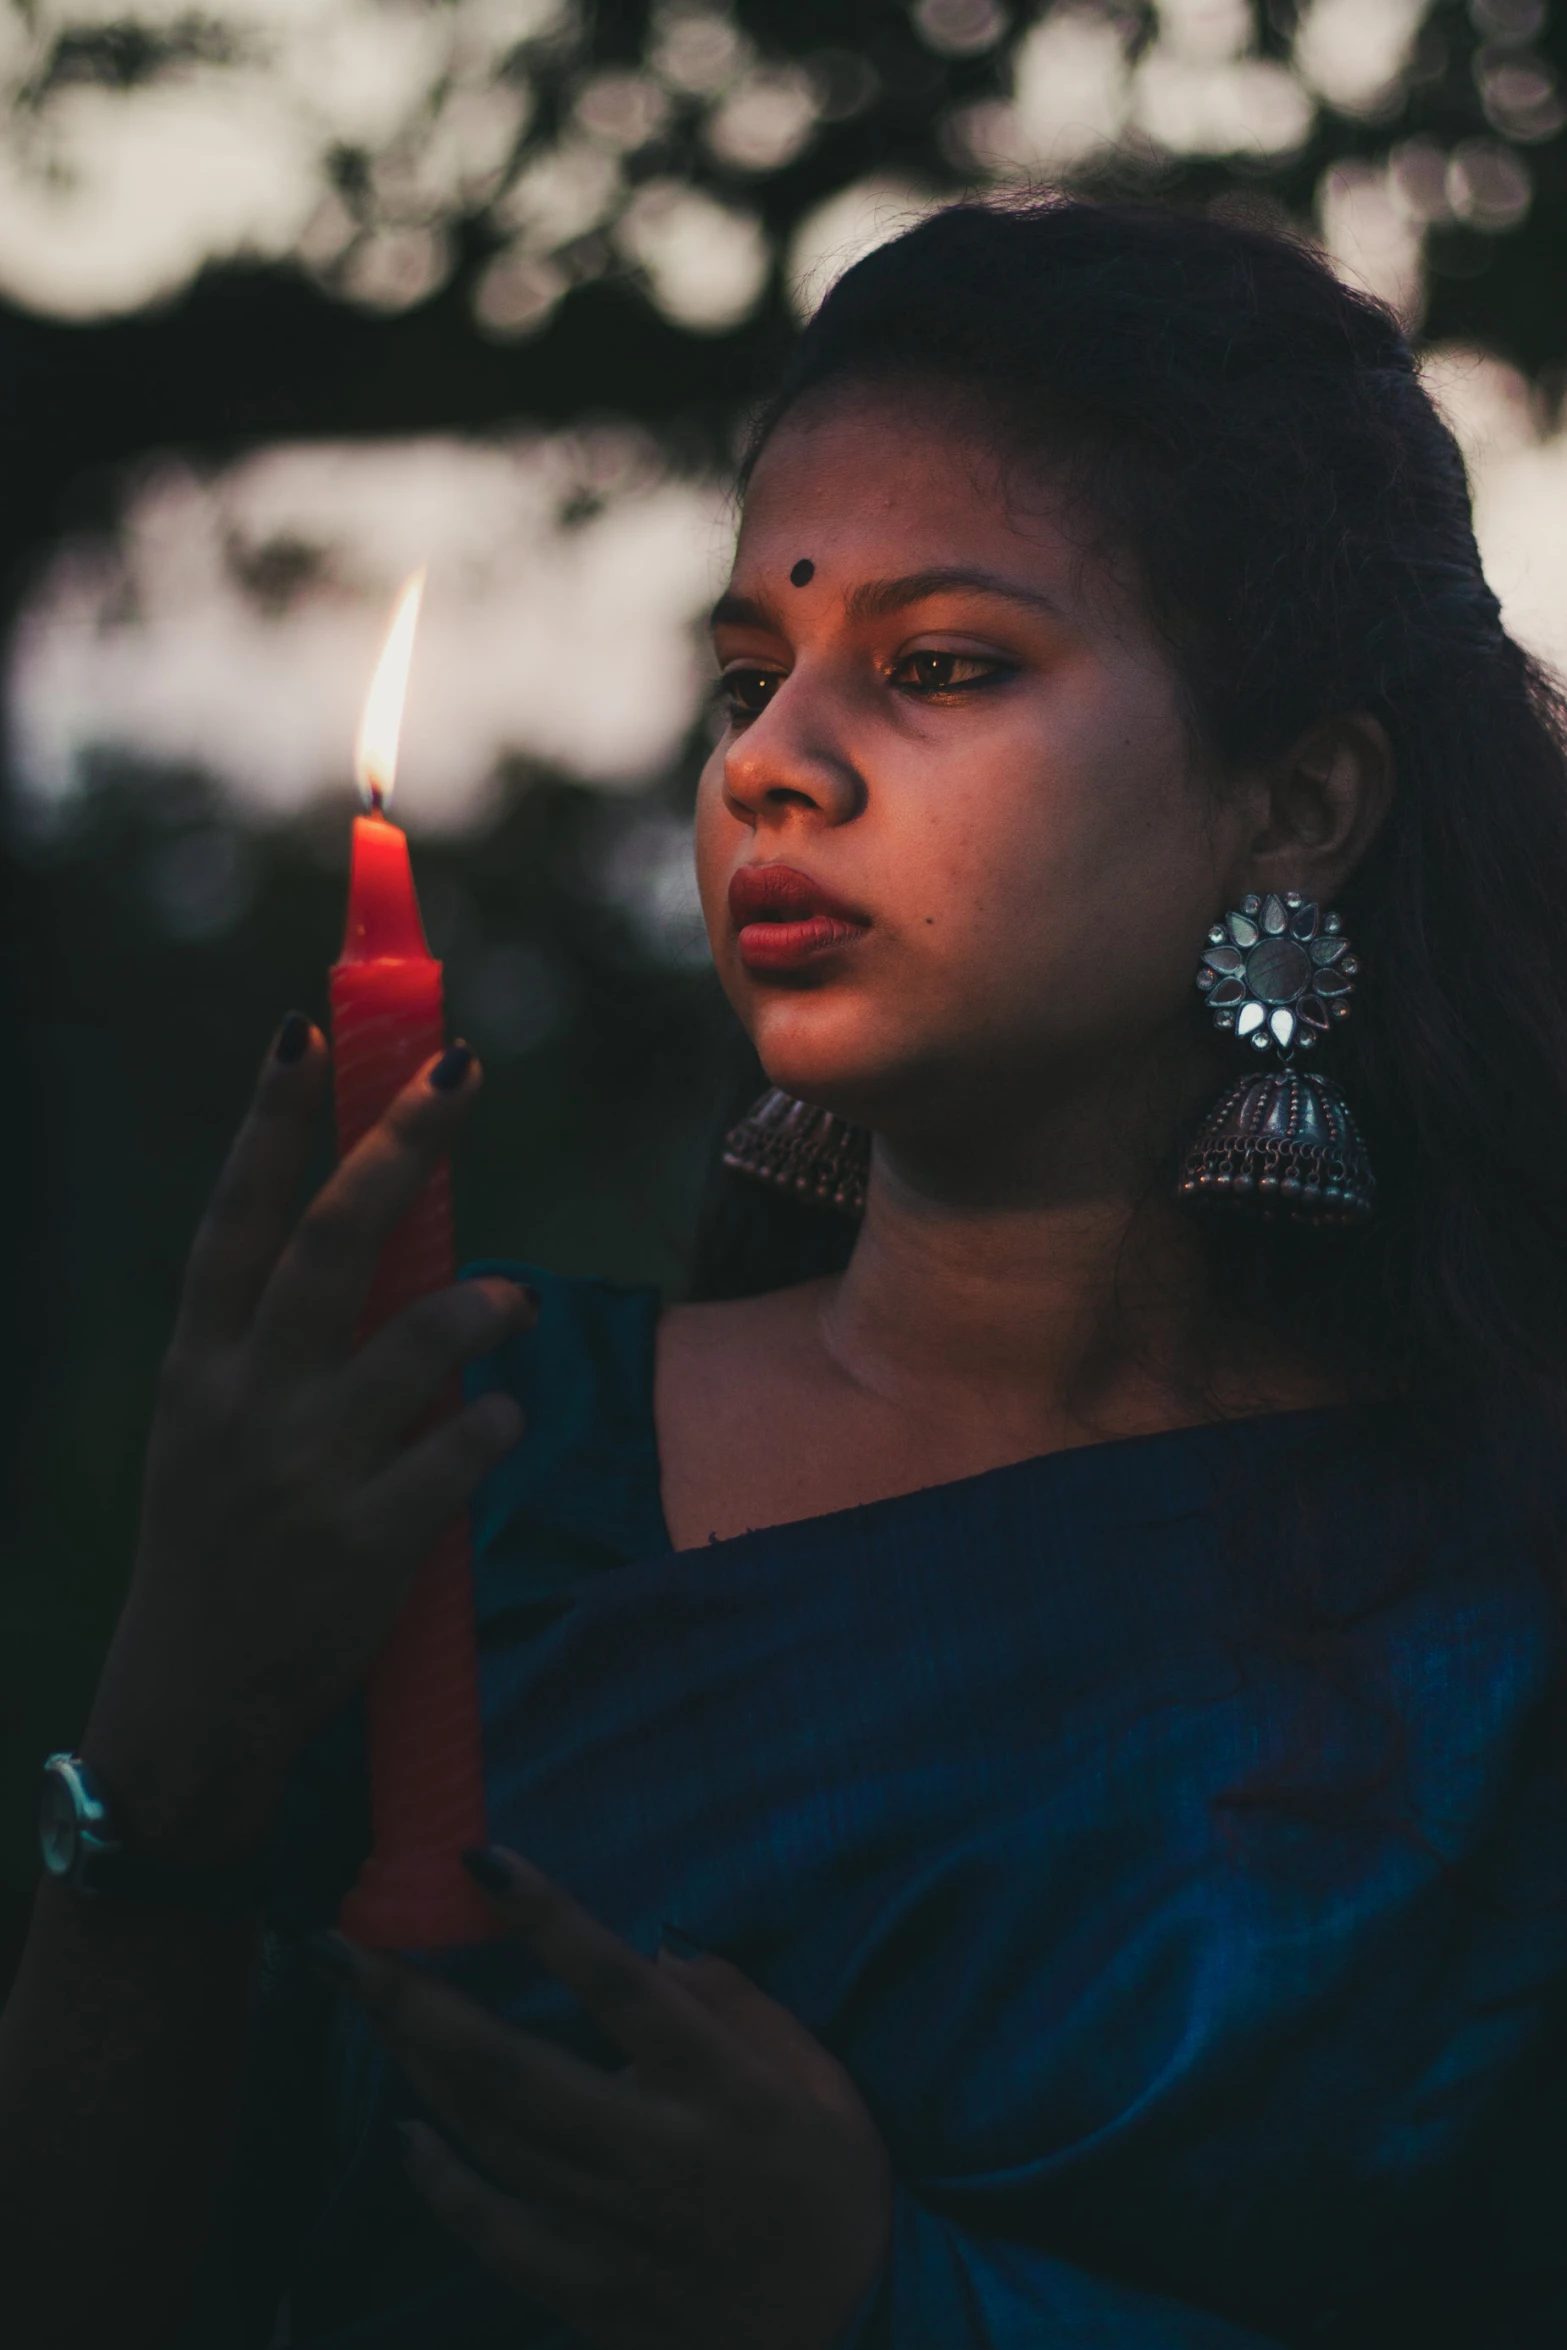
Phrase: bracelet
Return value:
(82, 1848)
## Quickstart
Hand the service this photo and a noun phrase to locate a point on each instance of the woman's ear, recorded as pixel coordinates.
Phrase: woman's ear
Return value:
(1318, 808)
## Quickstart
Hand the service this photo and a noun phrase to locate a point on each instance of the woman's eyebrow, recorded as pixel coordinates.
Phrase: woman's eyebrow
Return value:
(733, 611)
(875, 598)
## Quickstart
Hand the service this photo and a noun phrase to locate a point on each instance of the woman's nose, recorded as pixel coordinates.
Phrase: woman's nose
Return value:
(787, 766)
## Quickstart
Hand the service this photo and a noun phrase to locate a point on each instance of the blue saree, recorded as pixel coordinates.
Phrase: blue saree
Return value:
(1201, 1951)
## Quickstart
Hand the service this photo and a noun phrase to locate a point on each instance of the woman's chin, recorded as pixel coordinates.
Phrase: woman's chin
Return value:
(871, 1055)
(841, 1074)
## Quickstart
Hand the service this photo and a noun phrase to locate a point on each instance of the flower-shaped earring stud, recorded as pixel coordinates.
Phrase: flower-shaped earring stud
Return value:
(1278, 971)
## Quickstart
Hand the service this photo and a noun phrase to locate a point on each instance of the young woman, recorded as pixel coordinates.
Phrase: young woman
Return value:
(1066, 1634)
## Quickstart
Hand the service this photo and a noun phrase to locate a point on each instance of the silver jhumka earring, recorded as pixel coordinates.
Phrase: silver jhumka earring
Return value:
(1279, 973)
(820, 1158)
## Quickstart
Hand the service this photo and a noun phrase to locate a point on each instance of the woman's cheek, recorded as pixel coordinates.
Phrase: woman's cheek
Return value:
(714, 842)
(1017, 931)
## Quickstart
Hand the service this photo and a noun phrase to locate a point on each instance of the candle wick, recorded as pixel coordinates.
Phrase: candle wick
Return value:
(377, 800)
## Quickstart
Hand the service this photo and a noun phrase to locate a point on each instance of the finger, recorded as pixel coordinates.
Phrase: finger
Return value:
(313, 1297)
(534, 2111)
(401, 1510)
(504, 2136)
(579, 2272)
(408, 1367)
(643, 2007)
(770, 2030)
(237, 1243)
(468, 2068)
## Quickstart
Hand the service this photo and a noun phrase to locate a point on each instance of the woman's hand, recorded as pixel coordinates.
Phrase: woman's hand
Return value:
(724, 2190)
(285, 1506)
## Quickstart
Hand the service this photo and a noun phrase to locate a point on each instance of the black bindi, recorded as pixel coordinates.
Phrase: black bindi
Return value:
(803, 573)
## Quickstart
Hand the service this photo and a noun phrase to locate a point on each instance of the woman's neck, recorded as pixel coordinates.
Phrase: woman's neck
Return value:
(1066, 1287)
(1045, 1310)
(1009, 1295)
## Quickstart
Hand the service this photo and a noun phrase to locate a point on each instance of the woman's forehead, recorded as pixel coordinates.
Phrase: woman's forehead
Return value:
(870, 487)
(874, 488)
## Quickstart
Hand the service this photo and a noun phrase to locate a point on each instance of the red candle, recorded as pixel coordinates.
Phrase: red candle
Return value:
(426, 1772)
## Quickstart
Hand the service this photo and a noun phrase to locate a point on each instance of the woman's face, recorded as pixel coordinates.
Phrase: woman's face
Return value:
(952, 848)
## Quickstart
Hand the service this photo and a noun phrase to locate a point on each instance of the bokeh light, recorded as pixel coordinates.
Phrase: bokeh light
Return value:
(387, 148)
(231, 622)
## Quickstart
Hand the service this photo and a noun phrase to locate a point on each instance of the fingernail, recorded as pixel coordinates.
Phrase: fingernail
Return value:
(452, 1067)
(676, 1938)
(331, 1956)
(534, 1297)
(292, 1039)
(487, 1869)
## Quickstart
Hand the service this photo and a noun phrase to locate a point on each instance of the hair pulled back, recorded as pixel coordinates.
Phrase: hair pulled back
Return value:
(1255, 435)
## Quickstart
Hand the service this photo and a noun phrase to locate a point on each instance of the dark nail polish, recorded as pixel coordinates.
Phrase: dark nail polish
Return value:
(675, 1938)
(452, 1067)
(486, 1870)
(331, 1957)
(533, 1296)
(292, 1039)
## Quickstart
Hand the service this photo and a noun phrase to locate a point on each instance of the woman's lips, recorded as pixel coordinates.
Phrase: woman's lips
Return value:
(783, 918)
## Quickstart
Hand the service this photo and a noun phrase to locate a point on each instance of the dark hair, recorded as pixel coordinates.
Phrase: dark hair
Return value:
(1256, 435)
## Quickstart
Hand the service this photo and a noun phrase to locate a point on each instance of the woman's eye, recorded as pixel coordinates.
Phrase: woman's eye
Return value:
(933, 674)
(745, 693)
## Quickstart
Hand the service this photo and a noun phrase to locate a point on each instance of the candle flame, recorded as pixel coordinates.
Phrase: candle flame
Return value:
(375, 754)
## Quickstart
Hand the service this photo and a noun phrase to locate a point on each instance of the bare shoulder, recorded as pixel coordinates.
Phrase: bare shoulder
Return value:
(744, 1395)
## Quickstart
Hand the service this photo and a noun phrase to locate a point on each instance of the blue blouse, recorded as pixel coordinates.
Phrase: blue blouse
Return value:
(1169, 1836)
